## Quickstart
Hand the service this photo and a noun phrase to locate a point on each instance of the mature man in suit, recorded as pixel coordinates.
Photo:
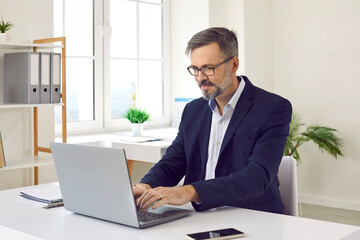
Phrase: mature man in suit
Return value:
(230, 142)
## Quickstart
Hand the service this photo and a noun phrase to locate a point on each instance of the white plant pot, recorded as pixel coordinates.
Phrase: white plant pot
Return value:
(137, 129)
(3, 37)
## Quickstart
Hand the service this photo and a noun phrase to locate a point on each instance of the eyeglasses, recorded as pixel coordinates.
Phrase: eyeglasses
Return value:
(207, 71)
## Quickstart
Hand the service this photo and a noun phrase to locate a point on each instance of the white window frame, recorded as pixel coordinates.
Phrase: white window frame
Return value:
(102, 108)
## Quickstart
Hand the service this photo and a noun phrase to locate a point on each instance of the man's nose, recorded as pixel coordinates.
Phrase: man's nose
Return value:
(200, 77)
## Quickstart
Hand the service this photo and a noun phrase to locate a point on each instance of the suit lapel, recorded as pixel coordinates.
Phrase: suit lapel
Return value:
(242, 107)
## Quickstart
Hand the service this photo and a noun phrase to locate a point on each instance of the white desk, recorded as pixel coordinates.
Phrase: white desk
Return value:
(57, 223)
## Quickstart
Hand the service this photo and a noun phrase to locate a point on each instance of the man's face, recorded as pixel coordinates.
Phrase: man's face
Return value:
(209, 56)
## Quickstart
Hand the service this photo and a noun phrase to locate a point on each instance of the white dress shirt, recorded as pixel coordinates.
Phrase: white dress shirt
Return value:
(219, 125)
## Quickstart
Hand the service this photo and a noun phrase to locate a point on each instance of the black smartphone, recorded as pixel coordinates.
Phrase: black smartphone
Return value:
(220, 234)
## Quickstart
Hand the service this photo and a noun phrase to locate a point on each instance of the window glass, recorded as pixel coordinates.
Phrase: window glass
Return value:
(79, 89)
(78, 30)
(123, 78)
(150, 31)
(58, 18)
(123, 20)
(79, 27)
(136, 82)
(114, 51)
(151, 87)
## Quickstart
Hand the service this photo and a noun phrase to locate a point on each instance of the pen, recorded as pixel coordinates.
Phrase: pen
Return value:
(54, 205)
(153, 140)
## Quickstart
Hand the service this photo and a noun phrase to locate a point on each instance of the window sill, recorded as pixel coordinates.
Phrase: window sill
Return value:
(166, 134)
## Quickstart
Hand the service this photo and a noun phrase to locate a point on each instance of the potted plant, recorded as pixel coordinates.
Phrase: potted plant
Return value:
(137, 117)
(4, 27)
(324, 137)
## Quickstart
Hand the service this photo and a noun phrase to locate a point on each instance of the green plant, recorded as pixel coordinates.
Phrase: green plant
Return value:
(136, 115)
(322, 136)
(5, 26)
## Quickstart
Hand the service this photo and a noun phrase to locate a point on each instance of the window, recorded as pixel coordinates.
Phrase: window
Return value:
(116, 58)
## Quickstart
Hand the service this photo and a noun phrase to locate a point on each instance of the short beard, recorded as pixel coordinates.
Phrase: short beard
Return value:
(218, 89)
(212, 96)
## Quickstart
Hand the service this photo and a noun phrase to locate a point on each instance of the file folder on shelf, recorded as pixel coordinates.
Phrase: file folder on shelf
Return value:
(21, 78)
(55, 77)
(45, 77)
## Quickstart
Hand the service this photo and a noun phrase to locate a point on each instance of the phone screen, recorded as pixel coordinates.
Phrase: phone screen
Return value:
(227, 233)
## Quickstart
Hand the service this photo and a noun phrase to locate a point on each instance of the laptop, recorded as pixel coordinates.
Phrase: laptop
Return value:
(94, 181)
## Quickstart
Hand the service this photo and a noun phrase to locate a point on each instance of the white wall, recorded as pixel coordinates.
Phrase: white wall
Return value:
(229, 14)
(30, 22)
(187, 17)
(317, 66)
(32, 19)
(258, 34)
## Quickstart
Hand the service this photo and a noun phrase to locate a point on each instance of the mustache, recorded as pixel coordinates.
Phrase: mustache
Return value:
(206, 83)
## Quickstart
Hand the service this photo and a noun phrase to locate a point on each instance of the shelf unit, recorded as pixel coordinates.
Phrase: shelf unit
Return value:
(27, 46)
(35, 161)
(27, 162)
(19, 105)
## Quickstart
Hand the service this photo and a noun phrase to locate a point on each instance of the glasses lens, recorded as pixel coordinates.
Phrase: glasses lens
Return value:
(193, 71)
(207, 71)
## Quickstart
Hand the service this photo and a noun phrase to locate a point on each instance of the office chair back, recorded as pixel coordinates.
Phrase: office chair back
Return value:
(288, 185)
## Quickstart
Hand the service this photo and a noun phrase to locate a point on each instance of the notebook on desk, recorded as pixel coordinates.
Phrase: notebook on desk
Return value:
(94, 181)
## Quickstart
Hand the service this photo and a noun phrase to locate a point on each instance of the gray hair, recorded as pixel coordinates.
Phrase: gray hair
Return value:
(226, 39)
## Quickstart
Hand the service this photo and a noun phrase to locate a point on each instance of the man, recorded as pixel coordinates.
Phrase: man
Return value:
(230, 142)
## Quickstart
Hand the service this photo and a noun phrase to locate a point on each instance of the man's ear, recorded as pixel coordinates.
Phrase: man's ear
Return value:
(235, 64)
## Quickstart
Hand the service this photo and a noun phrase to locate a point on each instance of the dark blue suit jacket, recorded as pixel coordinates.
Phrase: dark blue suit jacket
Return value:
(253, 145)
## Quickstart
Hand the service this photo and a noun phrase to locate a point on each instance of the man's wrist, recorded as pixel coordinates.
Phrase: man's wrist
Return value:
(143, 186)
(194, 195)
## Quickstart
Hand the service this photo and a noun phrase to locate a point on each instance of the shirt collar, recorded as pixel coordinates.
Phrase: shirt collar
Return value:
(234, 99)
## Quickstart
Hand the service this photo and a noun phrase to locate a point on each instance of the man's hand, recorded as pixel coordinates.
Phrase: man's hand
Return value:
(139, 189)
(167, 195)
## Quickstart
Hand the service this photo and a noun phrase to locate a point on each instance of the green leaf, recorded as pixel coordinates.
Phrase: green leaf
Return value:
(324, 137)
(5, 26)
(136, 115)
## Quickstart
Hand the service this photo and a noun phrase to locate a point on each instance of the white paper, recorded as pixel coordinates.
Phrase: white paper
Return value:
(48, 192)
(140, 139)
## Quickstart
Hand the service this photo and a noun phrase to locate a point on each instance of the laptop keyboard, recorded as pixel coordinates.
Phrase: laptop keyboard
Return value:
(149, 216)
